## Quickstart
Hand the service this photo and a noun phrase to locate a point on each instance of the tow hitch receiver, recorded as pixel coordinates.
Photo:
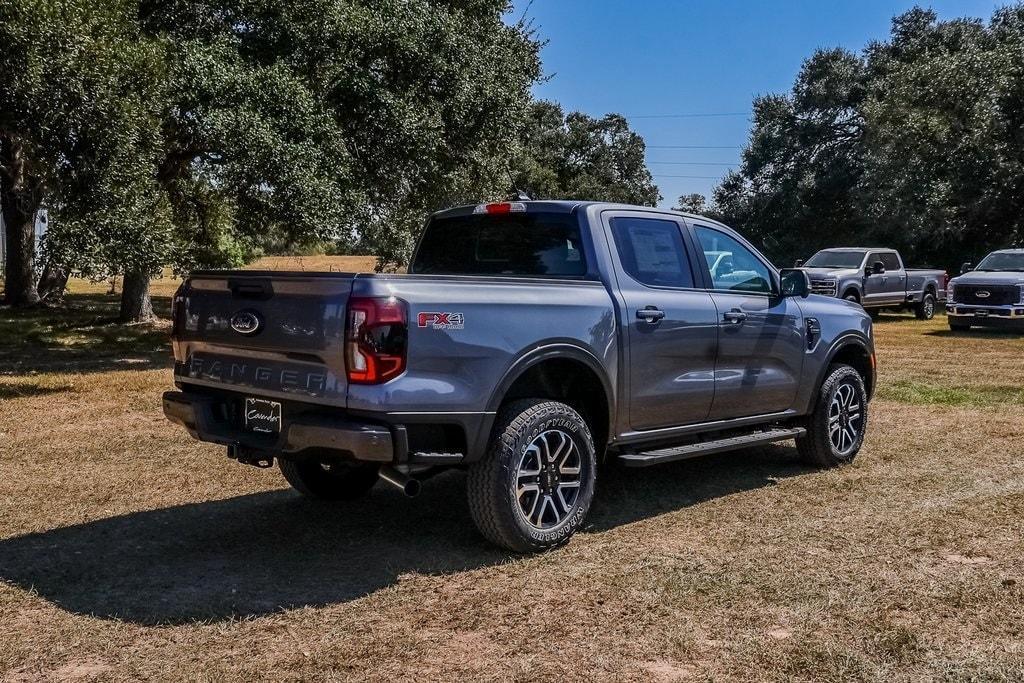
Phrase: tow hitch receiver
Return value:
(250, 456)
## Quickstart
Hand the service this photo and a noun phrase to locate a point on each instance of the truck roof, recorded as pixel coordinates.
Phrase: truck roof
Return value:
(568, 206)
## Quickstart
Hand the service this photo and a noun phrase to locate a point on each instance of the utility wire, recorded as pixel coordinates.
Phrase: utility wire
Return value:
(702, 177)
(689, 116)
(695, 163)
(694, 147)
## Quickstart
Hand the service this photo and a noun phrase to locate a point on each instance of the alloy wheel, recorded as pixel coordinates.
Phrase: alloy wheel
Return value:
(845, 419)
(548, 479)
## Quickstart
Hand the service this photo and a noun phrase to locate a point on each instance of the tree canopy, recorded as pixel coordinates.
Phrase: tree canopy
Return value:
(917, 143)
(576, 156)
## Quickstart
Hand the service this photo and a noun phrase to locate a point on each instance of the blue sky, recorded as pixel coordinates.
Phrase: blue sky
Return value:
(649, 58)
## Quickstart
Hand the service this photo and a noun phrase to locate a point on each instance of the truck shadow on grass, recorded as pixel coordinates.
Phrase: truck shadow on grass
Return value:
(81, 335)
(258, 554)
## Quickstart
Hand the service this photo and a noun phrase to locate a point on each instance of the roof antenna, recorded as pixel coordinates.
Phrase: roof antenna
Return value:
(521, 195)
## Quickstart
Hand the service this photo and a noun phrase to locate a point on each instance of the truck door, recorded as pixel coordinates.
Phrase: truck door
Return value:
(876, 287)
(671, 321)
(895, 278)
(761, 340)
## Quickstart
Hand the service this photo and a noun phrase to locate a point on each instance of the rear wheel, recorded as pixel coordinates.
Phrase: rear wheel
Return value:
(325, 480)
(534, 487)
(925, 310)
(835, 430)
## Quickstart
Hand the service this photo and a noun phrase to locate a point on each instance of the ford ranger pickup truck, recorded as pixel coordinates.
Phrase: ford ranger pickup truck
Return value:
(528, 343)
(876, 279)
(989, 295)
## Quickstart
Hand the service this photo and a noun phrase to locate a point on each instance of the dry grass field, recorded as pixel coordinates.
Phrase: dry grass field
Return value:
(128, 551)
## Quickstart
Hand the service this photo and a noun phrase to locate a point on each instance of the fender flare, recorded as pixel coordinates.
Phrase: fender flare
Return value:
(848, 339)
(551, 351)
(854, 288)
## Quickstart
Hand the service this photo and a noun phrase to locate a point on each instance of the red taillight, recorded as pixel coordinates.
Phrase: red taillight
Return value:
(501, 207)
(376, 337)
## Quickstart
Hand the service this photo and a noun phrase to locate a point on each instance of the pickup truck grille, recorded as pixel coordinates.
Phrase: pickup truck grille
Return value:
(987, 295)
(826, 287)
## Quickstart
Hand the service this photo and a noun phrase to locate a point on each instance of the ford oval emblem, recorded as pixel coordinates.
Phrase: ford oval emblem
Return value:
(246, 322)
(982, 294)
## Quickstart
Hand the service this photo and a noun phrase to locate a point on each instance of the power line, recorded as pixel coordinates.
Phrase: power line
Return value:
(689, 116)
(696, 163)
(694, 146)
(701, 177)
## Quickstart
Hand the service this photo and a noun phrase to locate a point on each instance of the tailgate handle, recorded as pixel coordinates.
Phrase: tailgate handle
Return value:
(251, 289)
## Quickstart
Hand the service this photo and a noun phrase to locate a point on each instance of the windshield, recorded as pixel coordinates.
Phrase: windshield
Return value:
(1002, 262)
(835, 258)
(518, 244)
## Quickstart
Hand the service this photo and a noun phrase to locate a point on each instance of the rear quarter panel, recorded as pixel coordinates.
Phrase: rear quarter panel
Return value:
(458, 367)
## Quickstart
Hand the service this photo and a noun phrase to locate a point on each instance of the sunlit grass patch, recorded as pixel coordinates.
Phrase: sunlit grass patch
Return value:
(909, 391)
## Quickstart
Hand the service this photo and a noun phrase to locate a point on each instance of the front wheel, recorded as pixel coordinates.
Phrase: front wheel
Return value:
(836, 428)
(534, 487)
(329, 480)
(926, 309)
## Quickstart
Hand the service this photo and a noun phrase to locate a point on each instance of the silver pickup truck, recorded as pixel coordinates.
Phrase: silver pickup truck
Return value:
(989, 295)
(876, 279)
(529, 342)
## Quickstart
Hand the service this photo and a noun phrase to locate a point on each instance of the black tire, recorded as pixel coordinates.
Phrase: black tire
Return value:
(958, 326)
(531, 434)
(331, 481)
(852, 297)
(817, 447)
(925, 310)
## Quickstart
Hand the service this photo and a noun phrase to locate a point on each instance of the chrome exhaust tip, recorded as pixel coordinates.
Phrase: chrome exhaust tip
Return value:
(409, 486)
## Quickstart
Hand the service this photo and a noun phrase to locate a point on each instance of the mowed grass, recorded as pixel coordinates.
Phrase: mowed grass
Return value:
(128, 551)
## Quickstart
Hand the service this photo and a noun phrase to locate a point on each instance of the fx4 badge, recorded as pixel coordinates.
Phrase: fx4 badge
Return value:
(441, 321)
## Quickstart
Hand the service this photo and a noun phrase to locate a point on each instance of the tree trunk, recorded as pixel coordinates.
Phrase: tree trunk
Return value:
(136, 306)
(19, 204)
(53, 282)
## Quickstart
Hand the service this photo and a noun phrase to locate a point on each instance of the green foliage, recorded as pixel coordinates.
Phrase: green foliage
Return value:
(579, 157)
(918, 144)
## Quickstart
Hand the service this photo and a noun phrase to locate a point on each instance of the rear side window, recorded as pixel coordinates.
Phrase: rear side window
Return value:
(526, 244)
(652, 251)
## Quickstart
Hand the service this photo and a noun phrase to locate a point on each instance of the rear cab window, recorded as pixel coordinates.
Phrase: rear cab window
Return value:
(531, 244)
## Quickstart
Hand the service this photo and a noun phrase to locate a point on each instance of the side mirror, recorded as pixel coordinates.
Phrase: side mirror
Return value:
(876, 268)
(794, 282)
(799, 262)
(966, 267)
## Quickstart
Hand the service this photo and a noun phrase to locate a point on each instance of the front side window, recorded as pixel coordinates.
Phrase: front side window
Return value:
(652, 251)
(890, 260)
(735, 266)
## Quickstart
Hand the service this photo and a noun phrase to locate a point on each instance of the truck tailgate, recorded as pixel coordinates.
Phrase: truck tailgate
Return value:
(279, 335)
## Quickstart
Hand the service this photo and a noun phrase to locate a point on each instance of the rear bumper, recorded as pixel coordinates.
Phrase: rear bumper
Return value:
(359, 440)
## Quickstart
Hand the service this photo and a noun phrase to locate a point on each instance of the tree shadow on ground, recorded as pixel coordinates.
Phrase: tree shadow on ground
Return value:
(80, 335)
(10, 391)
(260, 553)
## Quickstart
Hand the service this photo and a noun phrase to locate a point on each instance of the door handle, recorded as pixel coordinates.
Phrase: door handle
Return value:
(650, 314)
(735, 316)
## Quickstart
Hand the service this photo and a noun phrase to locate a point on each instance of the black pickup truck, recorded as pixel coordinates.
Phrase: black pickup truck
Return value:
(529, 342)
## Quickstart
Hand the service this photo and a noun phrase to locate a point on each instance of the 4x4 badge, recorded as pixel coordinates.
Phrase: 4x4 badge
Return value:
(441, 320)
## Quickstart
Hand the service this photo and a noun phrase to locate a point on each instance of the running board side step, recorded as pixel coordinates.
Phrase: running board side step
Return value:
(708, 447)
